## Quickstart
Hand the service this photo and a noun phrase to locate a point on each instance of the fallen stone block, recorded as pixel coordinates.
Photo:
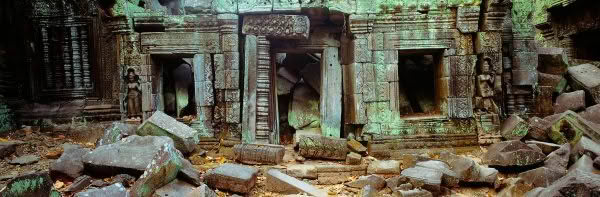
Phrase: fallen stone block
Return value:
(575, 183)
(232, 177)
(426, 175)
(357, 147)
(396, 181)
(115, 190)
(175, 188)
(24, 160)
(514, 128)
(574, 101)
(552, 60)
(161, 124)
(353, 158)
(512, 153)
(70, 162)
(559, 159)
(300, 133)
(115, 133)
(302, 171)
(130, 155)
(549, 80)
(449, 177)
(312, 146)
(384, 167)
(282, 183)
(546, 147)
(259, 153)
(331, 173)
(586, 146)
(592, 114)
(569, 127)
(404, 186)
(584, 163)
(8, 148)
(30, 185)
(514, 187)
(163, 169)
(542, 176)
(202, 191)
(539, 129)
(304, 111)
(189, 174)
(586, 77)
(125, 179)
(413, 193)
(469, 171)
(375, 181)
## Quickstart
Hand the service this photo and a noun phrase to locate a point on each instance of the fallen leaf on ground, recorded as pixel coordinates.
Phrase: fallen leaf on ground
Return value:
(59, 184)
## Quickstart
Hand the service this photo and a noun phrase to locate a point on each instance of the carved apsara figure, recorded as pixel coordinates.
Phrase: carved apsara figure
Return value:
(134, 95)
(485, 87)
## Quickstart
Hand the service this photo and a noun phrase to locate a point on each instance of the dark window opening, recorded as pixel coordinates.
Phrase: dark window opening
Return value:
(586, 45)
(417, 93)
(178, 89)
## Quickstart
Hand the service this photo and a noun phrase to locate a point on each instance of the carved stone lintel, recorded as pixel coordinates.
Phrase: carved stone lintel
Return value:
(277, 26)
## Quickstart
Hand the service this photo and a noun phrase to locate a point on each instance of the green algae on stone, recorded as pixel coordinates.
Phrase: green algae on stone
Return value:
(567, 129)
(31, 185)
(162, 170)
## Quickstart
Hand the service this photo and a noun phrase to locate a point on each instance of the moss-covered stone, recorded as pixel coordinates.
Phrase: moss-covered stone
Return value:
(31, 185)
(567, 129)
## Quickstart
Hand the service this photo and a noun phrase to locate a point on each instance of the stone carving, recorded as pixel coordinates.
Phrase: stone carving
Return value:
(259, 153)
(134, 95)
(460, 107)
(485, 88)
(277, 26)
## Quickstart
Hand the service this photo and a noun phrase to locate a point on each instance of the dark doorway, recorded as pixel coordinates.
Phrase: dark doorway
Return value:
(417, 84)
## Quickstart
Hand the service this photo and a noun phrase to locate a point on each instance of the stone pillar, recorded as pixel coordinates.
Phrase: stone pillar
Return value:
(331, 93)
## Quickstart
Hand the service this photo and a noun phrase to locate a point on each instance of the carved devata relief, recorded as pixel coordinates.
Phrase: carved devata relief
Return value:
(134, 95)
(484, 100)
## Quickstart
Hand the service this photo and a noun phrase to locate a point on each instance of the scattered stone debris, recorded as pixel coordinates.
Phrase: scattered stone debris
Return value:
(7, 148)
(161, 124)
(368, 191)
(586, 146)
(413, 193)
(574, 101)
(282, 183)
(384, 167)
(468, 170)
(353, 158)
(25, 160)
(174, 188)
(232, 177)
(512, 153)
(542, 176)
(375, 181)
(584, 163)
(575, 183)
(586, 77)
(302, 171)
(449, 177)
(569, 127)
(559, 159)
(546, 147)
(80, 183)
(332, 173)
(202, 191)
(259, 153)
(357, 147)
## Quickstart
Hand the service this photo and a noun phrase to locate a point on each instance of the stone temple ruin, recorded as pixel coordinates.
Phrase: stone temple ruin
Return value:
(393, 75)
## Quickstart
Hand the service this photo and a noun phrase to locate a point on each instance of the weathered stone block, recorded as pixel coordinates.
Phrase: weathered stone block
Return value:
(163, 168)
(161, 124)
(384, 167)
(488, 42)
(70, 162)
(282, 183)
(353, 159)
(586, 77)
(514, 128)
(512, 153)
(552, 61)
(259, 153)
(115, 133)
(313, 146)
(574, 101)
(232, 177)
(468, 19)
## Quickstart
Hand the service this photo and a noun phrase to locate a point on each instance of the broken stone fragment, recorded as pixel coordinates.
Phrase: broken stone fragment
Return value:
(30, 185)
(300, 133)
(353, 159)
(314, 146)
(202, 191)
(542, 176)
(449, 178)
(549, 80)
(80, 183)
(367, 191)
(426, 175)
(469, 171)
(574, 101)
(375, 181)
(413, 193)
(282, 183)
(115, 133)
(232, 177)
(512, 153)
(586, 146)
(559, 159)
(575, 183)
(114, 190)
(259, 153)
(332, 173)
(302, 171)
(189, 174)
(546, 147)
(586, 77)
(70, 162)
(357, 147)
(163, 169)
(514, 128)
(384, 167)
(130, 155)
(125, 179)
(175, 188)
(395, 181)
(514, 187)
(161, 124)
(25, 160)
